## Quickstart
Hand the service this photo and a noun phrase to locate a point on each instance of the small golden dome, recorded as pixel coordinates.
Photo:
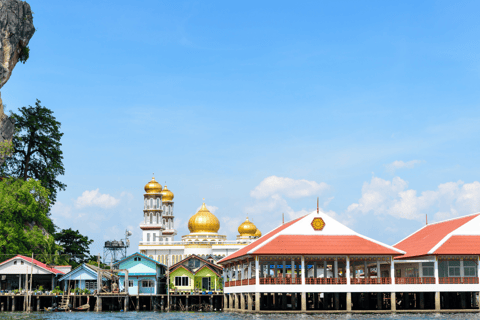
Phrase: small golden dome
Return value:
(258, 234)
(203, 221)
(153, 186)
(167, 195)
(247, 228)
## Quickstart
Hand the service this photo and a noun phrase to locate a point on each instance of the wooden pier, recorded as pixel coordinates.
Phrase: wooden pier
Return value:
(116, 302)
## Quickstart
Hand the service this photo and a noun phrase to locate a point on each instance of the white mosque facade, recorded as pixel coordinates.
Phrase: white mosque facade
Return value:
(158, 230)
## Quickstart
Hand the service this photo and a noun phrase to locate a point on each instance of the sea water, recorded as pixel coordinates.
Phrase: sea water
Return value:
(228, 316)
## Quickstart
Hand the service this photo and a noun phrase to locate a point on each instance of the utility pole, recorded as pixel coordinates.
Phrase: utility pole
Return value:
(167, 274)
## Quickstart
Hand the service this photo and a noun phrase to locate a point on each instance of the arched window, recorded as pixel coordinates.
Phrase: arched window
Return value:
(145, 204)
(151, 218)
(151, 203)
(158, 203)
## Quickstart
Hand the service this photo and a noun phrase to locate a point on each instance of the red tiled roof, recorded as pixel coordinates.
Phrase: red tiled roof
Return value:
(324, 244)
(258, 242)
(422, 241)
(37, 263)
(460, 245)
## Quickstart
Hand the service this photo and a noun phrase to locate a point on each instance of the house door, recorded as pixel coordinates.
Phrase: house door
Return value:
(206, 283)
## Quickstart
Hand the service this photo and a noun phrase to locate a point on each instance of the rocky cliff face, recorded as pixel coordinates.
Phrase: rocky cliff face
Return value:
(16, 30)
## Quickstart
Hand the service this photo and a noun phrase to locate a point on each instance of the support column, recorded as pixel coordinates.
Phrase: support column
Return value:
(303, 272)
(8, 303)
(249, 302)
(347, 273)
(187, 303)
(392, 271)
(462, 271)
(292, 267)
(435, 266)
(99, 304)
(325, 271)
(379, 273)
(225, 301)
(365, 271)
(138, 303)
(349, 301)
(257, 301)
(437, 301)
(304, 300)
(393, 301)
(257, 271)
(126, 301)
(237, 301)
(250, 269)
(13, 303)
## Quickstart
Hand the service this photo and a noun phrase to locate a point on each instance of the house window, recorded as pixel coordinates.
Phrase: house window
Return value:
(137, 259)
(181, 281)
(454, 268)
(147, 283)
(91, 284)
(398, 273)
(21, 262)
(151, 203)
(130, 283)
(148, 236)
(469, 268)
(14, 262)
(158, 203)
(194, 263)
(428, 270)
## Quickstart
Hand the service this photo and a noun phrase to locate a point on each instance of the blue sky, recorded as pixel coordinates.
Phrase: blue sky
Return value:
(260, 107)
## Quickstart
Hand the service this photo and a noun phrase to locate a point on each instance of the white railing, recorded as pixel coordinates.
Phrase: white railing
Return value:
(183, 243)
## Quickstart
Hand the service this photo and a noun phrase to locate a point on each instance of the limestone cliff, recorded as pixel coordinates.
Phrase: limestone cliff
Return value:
(16, 30)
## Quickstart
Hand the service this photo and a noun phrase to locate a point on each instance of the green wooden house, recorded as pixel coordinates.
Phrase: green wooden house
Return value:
(196, 274)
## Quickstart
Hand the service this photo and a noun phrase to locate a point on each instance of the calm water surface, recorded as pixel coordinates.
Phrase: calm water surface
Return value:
(225, 316)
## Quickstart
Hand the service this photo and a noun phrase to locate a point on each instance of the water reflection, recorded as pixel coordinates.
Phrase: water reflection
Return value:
(228, 316)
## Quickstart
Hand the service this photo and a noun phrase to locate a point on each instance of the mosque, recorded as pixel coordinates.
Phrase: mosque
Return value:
(158, 230)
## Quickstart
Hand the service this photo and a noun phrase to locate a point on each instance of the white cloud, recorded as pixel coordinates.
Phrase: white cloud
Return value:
(95, 199)
(384, 197)
(287, 187)
(395, 165)
(62, 210)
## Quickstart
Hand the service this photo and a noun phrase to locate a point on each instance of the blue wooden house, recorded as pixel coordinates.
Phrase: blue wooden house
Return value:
(145, 275)
(84, 277)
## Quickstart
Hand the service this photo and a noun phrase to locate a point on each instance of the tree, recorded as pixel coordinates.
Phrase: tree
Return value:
(75, 245)
(36, 149)
(24, 224)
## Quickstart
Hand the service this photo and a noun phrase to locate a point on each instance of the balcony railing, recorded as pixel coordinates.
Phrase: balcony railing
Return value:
(280, 280)
(415, 280)
(371, 281)
(325, 280)
(458, 280)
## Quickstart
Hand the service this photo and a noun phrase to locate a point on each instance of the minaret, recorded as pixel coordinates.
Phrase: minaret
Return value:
(168, 218)
(152, 226)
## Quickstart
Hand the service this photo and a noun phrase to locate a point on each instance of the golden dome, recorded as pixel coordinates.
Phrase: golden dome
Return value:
(247, 228)
(167, 195)
(203, 221)
(258, 234)
(153, 186)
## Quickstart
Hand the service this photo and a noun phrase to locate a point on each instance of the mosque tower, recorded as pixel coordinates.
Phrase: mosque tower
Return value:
(158, 220)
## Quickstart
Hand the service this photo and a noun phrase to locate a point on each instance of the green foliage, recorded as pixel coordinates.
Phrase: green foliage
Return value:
(86, 291)
(57, 290)
(6, 149)
(77, 290)
(24, 54)
(40, 288)
(75, 245)
(24, 224)
(36, 149)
